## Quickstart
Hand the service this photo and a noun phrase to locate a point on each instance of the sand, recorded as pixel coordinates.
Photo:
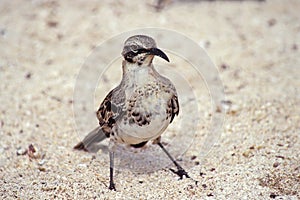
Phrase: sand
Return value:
(255, 47)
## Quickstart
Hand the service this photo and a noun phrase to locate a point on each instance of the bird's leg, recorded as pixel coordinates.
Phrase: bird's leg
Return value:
(111, 171)
(180, 171)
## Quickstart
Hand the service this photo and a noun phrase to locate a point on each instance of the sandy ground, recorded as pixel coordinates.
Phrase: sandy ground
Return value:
(255, 46)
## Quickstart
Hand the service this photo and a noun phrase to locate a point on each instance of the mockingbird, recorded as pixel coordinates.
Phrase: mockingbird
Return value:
(140, 108)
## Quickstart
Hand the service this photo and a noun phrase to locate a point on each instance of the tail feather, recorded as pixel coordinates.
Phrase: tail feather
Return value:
(91, 141)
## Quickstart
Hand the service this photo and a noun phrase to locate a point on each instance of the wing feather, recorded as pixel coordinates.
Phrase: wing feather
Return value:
(110, 110)
(173, 107)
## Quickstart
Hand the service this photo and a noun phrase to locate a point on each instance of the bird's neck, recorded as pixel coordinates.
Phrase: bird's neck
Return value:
(137, 75)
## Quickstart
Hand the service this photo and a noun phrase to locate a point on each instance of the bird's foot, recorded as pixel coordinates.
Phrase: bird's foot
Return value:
(112, 186)
(181, 173)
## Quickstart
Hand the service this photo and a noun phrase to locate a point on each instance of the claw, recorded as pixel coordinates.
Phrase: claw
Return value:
(112, 187)
(180, 172)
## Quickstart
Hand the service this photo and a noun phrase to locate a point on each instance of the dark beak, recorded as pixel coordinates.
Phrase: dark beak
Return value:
(158, 52)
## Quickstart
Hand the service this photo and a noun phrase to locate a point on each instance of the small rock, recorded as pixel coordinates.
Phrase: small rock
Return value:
(218, 109)
(247, 154)
(276, 164)
(260, 147)
(224, 66)
(193, 157)
(205, 44)
(273, 196)
(28, 75)
(295, 47)
(42, 169)
(2, 32)
(42, 162)
(282, 157)
(82, 165)
(226, 105)
(52, 24)
(21, 151)
(272, 22)
(33, 152)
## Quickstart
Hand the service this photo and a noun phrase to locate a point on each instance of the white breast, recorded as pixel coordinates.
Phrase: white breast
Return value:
(144, 88)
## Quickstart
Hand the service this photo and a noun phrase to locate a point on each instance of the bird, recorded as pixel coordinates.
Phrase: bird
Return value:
(140, 108)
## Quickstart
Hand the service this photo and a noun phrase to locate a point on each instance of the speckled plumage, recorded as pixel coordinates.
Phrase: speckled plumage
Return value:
(137, 106)
(141, 107)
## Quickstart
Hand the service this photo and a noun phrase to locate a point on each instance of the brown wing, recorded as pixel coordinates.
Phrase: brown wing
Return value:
(110, 110)
(173, 107)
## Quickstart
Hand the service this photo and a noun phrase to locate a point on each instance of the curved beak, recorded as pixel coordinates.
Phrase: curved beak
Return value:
(158, 52)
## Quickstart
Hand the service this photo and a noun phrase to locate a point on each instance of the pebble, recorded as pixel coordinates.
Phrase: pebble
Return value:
(226, 104)
(82, 165)
(276, 164)
(42, 162)
(21, 151)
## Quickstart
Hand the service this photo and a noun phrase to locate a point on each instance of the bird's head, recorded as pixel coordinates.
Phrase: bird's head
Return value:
(141, 49)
